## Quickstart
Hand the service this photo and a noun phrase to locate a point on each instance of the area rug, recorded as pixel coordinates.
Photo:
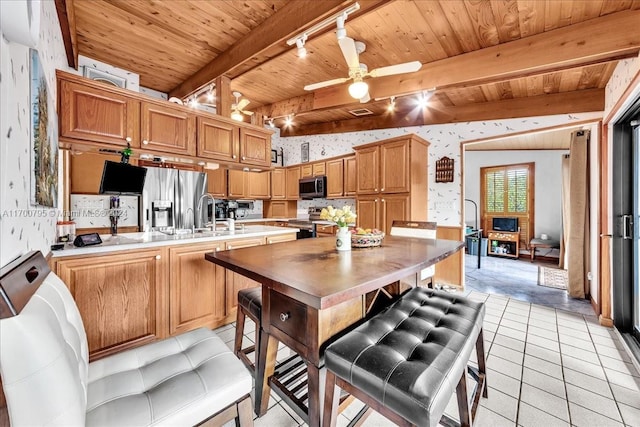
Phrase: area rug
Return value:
(552, 277)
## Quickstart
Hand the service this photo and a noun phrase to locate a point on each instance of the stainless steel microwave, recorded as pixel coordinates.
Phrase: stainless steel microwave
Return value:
(313, 187)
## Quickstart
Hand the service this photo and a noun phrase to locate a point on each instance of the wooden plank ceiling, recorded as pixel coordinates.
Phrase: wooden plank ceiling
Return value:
(487, 59)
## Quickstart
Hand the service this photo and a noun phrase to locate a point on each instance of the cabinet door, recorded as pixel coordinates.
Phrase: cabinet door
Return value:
(98, 115)
(392, 207)
(217, 182)
(306, 171)
(255, 147)
(367, 171)
(259, 185)
(237, 185)
(235, 281)
(367, 211)
(281, 238)
(278, 184)
(86, 171)
(293, 184)
(325, 230)
(318, 169)
(335, 178)
(196, 288)
(350, 176)
(119, 298)
(217, 140)
(394, 167)
(168, 129)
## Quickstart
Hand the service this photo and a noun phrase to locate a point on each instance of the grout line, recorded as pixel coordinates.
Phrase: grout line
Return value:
(524, 355)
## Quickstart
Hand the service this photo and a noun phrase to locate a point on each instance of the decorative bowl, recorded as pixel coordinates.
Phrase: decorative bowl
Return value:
(368, 240)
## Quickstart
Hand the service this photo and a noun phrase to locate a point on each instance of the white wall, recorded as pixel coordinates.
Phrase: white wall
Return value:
(445, 199)
(24, 227)
(548, 191)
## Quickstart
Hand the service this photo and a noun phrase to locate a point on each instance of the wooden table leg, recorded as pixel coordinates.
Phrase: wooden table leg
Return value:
(265, 365)
(315, 399)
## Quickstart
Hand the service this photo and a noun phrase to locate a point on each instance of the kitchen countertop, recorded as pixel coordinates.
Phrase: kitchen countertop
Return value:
(129, 241)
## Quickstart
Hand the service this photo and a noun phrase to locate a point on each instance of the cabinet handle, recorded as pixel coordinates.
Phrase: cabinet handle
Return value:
(145, 142)
(269, 241)
(376, 200)
(244, 158)
(375, 189)
(234, 156)
(230, 247)
(158, 257)
(285, 316)
(382, 189)
(218, 249)
(382, 200)
(128, 139)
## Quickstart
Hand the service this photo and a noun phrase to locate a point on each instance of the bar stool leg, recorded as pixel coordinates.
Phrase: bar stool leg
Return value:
(237, 345)
(482, 366)
(463, 401)
(331, 401)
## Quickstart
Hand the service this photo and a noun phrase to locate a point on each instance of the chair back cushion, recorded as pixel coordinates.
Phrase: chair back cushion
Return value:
(44, 359)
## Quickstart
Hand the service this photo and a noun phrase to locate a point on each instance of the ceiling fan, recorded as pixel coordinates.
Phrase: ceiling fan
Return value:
(237, 109)
(359, 89)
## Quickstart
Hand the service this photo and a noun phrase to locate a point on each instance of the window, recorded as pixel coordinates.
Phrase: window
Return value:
(508, 191)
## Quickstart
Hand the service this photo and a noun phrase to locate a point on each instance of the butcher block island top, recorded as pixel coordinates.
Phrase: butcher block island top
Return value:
(313, 272)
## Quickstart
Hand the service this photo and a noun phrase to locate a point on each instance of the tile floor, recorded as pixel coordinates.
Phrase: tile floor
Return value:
(545, 366)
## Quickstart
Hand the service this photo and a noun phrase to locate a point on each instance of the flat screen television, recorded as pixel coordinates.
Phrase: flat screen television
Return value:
(122, 178)
(505, 224)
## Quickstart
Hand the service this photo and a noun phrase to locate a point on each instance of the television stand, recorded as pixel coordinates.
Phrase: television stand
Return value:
(504, 243)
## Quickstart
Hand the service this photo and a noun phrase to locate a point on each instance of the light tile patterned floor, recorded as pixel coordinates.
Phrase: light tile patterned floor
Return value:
(546, 367)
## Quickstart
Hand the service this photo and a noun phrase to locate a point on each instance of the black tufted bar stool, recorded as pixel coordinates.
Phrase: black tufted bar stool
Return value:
(249, 304)
(406, 361)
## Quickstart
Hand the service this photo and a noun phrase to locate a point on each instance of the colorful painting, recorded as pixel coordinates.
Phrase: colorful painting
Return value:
(44, 138)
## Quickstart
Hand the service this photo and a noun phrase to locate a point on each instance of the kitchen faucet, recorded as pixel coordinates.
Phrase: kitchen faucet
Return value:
(194, 220)
(199, 210)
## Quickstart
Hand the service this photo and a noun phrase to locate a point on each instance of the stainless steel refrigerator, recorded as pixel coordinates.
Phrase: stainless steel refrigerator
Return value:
(170, 198)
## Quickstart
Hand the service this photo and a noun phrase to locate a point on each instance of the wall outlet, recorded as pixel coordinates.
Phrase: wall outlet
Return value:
(589, 276)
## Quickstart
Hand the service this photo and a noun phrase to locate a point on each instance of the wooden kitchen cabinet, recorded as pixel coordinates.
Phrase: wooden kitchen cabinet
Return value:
(323, 230)
(217, 182)
(121, 298)
(293, 184)
(368, 171)
(278, 184)
(196, 288)
(270, 240)
(236, 186)
(259, 185)
(217, 139)
(313, 169)
(385, 168)
(95, 113)
(306, 170)
(380, 211)
(280, 209)
(350, 176)
(167, 128)
(335, 178)
(255, 147)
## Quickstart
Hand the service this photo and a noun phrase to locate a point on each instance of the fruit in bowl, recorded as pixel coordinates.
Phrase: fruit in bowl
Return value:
(366, 237)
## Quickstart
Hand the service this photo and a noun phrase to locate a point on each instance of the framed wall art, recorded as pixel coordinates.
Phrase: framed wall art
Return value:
(304, 152)
(44, 137)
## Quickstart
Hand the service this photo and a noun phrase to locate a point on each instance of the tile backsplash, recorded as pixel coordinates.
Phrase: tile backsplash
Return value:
(92, 211)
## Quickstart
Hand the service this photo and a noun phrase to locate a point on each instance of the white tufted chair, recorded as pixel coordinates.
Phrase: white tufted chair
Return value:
(421, 230)
(47, 380)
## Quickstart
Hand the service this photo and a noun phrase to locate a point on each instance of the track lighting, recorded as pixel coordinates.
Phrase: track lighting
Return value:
(289, 120)
(272, 124)
(358, 89)
(210, 94)
(302, 51)
(392, 104)
(338, 18)
(194, 102)
(423, 100)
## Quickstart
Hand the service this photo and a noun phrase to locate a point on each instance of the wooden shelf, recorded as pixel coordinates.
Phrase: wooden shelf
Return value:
(504, 243)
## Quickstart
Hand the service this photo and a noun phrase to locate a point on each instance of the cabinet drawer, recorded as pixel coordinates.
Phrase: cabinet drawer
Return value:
(289, 316)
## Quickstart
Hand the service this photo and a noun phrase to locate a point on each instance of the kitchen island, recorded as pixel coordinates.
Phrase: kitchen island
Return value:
(310, 292)
(140, 287)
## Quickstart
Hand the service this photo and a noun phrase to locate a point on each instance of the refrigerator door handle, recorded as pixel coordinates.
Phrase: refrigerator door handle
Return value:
(627, 227)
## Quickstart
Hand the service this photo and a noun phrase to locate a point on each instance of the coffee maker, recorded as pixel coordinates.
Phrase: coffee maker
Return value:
(221, 209)
(232, 207)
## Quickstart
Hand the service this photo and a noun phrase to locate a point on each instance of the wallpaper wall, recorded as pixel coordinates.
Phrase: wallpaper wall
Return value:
(24, 227)
(445, 199)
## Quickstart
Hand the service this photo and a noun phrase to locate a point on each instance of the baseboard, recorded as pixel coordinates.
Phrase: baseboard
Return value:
(595, 306)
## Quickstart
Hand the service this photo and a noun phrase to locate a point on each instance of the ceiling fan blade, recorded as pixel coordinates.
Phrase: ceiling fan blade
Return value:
(248, 113)
(243, 103)
(315, 86)
(406, 67)
(349, 51)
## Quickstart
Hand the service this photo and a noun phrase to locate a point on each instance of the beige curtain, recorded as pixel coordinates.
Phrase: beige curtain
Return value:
(576, 227)
(566, 203)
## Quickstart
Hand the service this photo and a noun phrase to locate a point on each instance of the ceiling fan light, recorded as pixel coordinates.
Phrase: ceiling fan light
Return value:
(358, 89)
(237, 116)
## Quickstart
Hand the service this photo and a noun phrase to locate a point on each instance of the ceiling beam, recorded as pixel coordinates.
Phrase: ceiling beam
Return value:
(598, 40)
(558, 103)
(67, 19)
(292, 19)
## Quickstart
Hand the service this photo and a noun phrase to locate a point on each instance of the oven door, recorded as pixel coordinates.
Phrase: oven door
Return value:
(304, 234)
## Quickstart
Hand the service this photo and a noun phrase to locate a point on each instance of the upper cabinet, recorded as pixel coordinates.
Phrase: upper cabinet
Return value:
(335, 178)
(98, 114)
(167, 129)
(350, 176)
(94, 114)
(293, 185)
(217, 140)
(384, 168)
(278, 184)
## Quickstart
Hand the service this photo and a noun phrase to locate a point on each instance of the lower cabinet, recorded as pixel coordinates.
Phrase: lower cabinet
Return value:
(196, 288)
(121, 298)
